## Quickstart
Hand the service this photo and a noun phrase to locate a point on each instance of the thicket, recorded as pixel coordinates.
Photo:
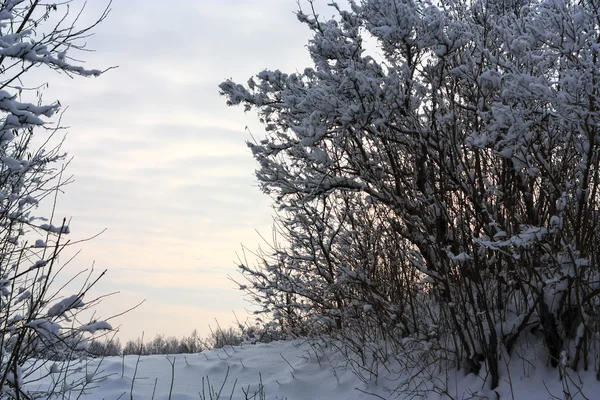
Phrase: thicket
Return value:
(437, 193)
(161, 344)
(41, 314)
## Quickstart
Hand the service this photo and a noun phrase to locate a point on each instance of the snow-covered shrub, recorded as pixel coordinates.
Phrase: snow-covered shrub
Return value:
(37, 321)
(443, 188)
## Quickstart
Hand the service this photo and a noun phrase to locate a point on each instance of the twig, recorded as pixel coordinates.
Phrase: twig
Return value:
(172, 375)
(154, 390)
(136, 365)
(288, 363)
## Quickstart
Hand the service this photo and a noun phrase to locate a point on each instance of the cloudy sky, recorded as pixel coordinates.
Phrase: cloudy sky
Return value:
(160, 161)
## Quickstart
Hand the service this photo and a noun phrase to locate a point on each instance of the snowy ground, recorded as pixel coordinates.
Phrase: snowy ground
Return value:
(287, 370)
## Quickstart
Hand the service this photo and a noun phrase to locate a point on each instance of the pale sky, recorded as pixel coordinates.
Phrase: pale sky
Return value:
(161, 161)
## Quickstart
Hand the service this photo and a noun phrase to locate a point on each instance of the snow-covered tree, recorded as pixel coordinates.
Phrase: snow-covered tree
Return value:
(37, 321)
(466, 145)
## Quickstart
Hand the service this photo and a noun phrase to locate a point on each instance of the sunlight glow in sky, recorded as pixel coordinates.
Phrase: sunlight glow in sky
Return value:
(160, 161)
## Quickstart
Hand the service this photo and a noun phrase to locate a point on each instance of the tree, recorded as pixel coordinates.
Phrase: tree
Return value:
(38, 322)
(134, 347)
(471, 140)
(105, 348)
(191, 344)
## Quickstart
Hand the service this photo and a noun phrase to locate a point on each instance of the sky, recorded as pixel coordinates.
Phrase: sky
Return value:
(160, 161)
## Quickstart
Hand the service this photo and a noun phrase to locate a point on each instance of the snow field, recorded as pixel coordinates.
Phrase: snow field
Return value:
(287, 370)
(295, 370)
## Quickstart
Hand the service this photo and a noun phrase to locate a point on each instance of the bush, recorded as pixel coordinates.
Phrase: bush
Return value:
(441, 192)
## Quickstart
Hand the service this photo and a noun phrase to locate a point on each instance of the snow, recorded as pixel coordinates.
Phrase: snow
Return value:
(38, 264)
(292, 370)
(12, 164)
(96, 326)
(55, 229)
(44, 327)
(28, 200)
(460, 257)
(64, 305)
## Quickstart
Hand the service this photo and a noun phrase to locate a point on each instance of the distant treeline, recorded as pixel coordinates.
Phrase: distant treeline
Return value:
(193, 343)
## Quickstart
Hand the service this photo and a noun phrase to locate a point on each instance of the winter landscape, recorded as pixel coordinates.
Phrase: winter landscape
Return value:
(429, 171)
